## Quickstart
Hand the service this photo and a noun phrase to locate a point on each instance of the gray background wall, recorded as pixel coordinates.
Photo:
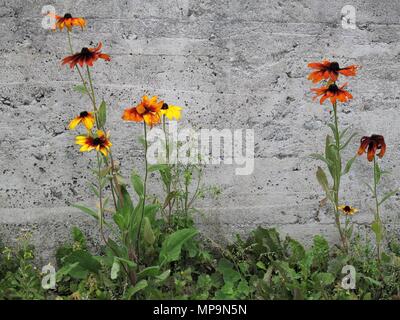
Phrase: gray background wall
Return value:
(231, 64)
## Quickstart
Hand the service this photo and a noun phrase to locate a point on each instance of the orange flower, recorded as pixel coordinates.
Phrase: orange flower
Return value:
(68, 21)
(148, 110)
(86, 56)
(329, 70)
(100, 143)
(333, 92)
(373, 143)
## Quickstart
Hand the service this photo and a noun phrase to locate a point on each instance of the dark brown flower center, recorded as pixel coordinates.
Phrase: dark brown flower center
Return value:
(164, 106)
(347, 209)
(97, 141)
(83, 114)
(333, 88)
(85, 52)
(67, 16)
(334, 66)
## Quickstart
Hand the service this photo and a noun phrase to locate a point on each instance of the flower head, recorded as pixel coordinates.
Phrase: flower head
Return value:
(327, 70)
(68, 21)
(373, 143)
(84, 117)
(171, 111)
(347, 210)
(99, 143)
(148, 110)
(86, 56)
(333, 92)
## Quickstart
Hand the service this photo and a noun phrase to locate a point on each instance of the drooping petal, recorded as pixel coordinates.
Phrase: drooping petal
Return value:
(72, 125)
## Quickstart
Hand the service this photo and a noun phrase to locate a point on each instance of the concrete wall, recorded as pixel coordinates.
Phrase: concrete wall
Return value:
(231, 64)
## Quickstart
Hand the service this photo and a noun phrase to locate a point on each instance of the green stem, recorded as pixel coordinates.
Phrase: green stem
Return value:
(168, 185)
(144, 191)
(377, 214)
(336, 184)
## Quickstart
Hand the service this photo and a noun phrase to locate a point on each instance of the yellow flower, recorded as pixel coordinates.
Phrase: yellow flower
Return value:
(171, 111)
(100, 143)
(84, 117)
(347, 210)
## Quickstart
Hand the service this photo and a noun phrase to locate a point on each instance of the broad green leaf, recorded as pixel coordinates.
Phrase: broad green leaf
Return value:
(148, 233)
(324, 279)
(149, 272)
(102, 114)
(226, 268)
(142, 284)
(137, 184)
(85, 260)
(172, 245)
(65, 270)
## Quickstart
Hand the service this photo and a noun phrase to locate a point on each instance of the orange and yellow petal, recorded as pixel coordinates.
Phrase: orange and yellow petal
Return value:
(131, 114)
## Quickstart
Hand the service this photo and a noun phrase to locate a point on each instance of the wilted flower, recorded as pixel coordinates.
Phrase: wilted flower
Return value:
(86, 56)
(347, 210)
(99, 143)
(84, 117)
(148, 110)
(327, 70)
(373, 143)
(171, 111)
(333, 92)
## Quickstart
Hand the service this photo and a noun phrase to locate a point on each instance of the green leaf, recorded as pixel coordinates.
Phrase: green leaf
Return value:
(388, 195)
(226, 268)
(323, 181)
(324, 279)
(318, 156)
(80, 88)
(102, 114)
(377, 173)
(163, 276)
(85, 260)
(142, 284)
(152, 271)
(348, 141)
(89, 211)
(157, 167)
(137, 184)
(348, 165)
(342, 134)
(377, 228)
(116, 267)
(148, 233)
(172, 245)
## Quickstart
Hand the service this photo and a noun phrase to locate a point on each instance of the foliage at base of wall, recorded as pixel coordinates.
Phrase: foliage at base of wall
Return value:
(264, 266)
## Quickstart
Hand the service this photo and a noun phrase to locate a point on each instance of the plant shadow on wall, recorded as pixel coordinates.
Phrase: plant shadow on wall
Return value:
(151, 246)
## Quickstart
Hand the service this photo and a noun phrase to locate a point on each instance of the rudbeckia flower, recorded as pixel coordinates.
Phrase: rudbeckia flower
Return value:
(333, 92)
(373, 143)
(84, 117)
(347, 210)
(99, 143)
(329, 70)
(148, 110)
(86, 56)
(171, 111)
(68, 21)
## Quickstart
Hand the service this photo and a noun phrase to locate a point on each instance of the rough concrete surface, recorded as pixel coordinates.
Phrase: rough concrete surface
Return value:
(231, 64)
